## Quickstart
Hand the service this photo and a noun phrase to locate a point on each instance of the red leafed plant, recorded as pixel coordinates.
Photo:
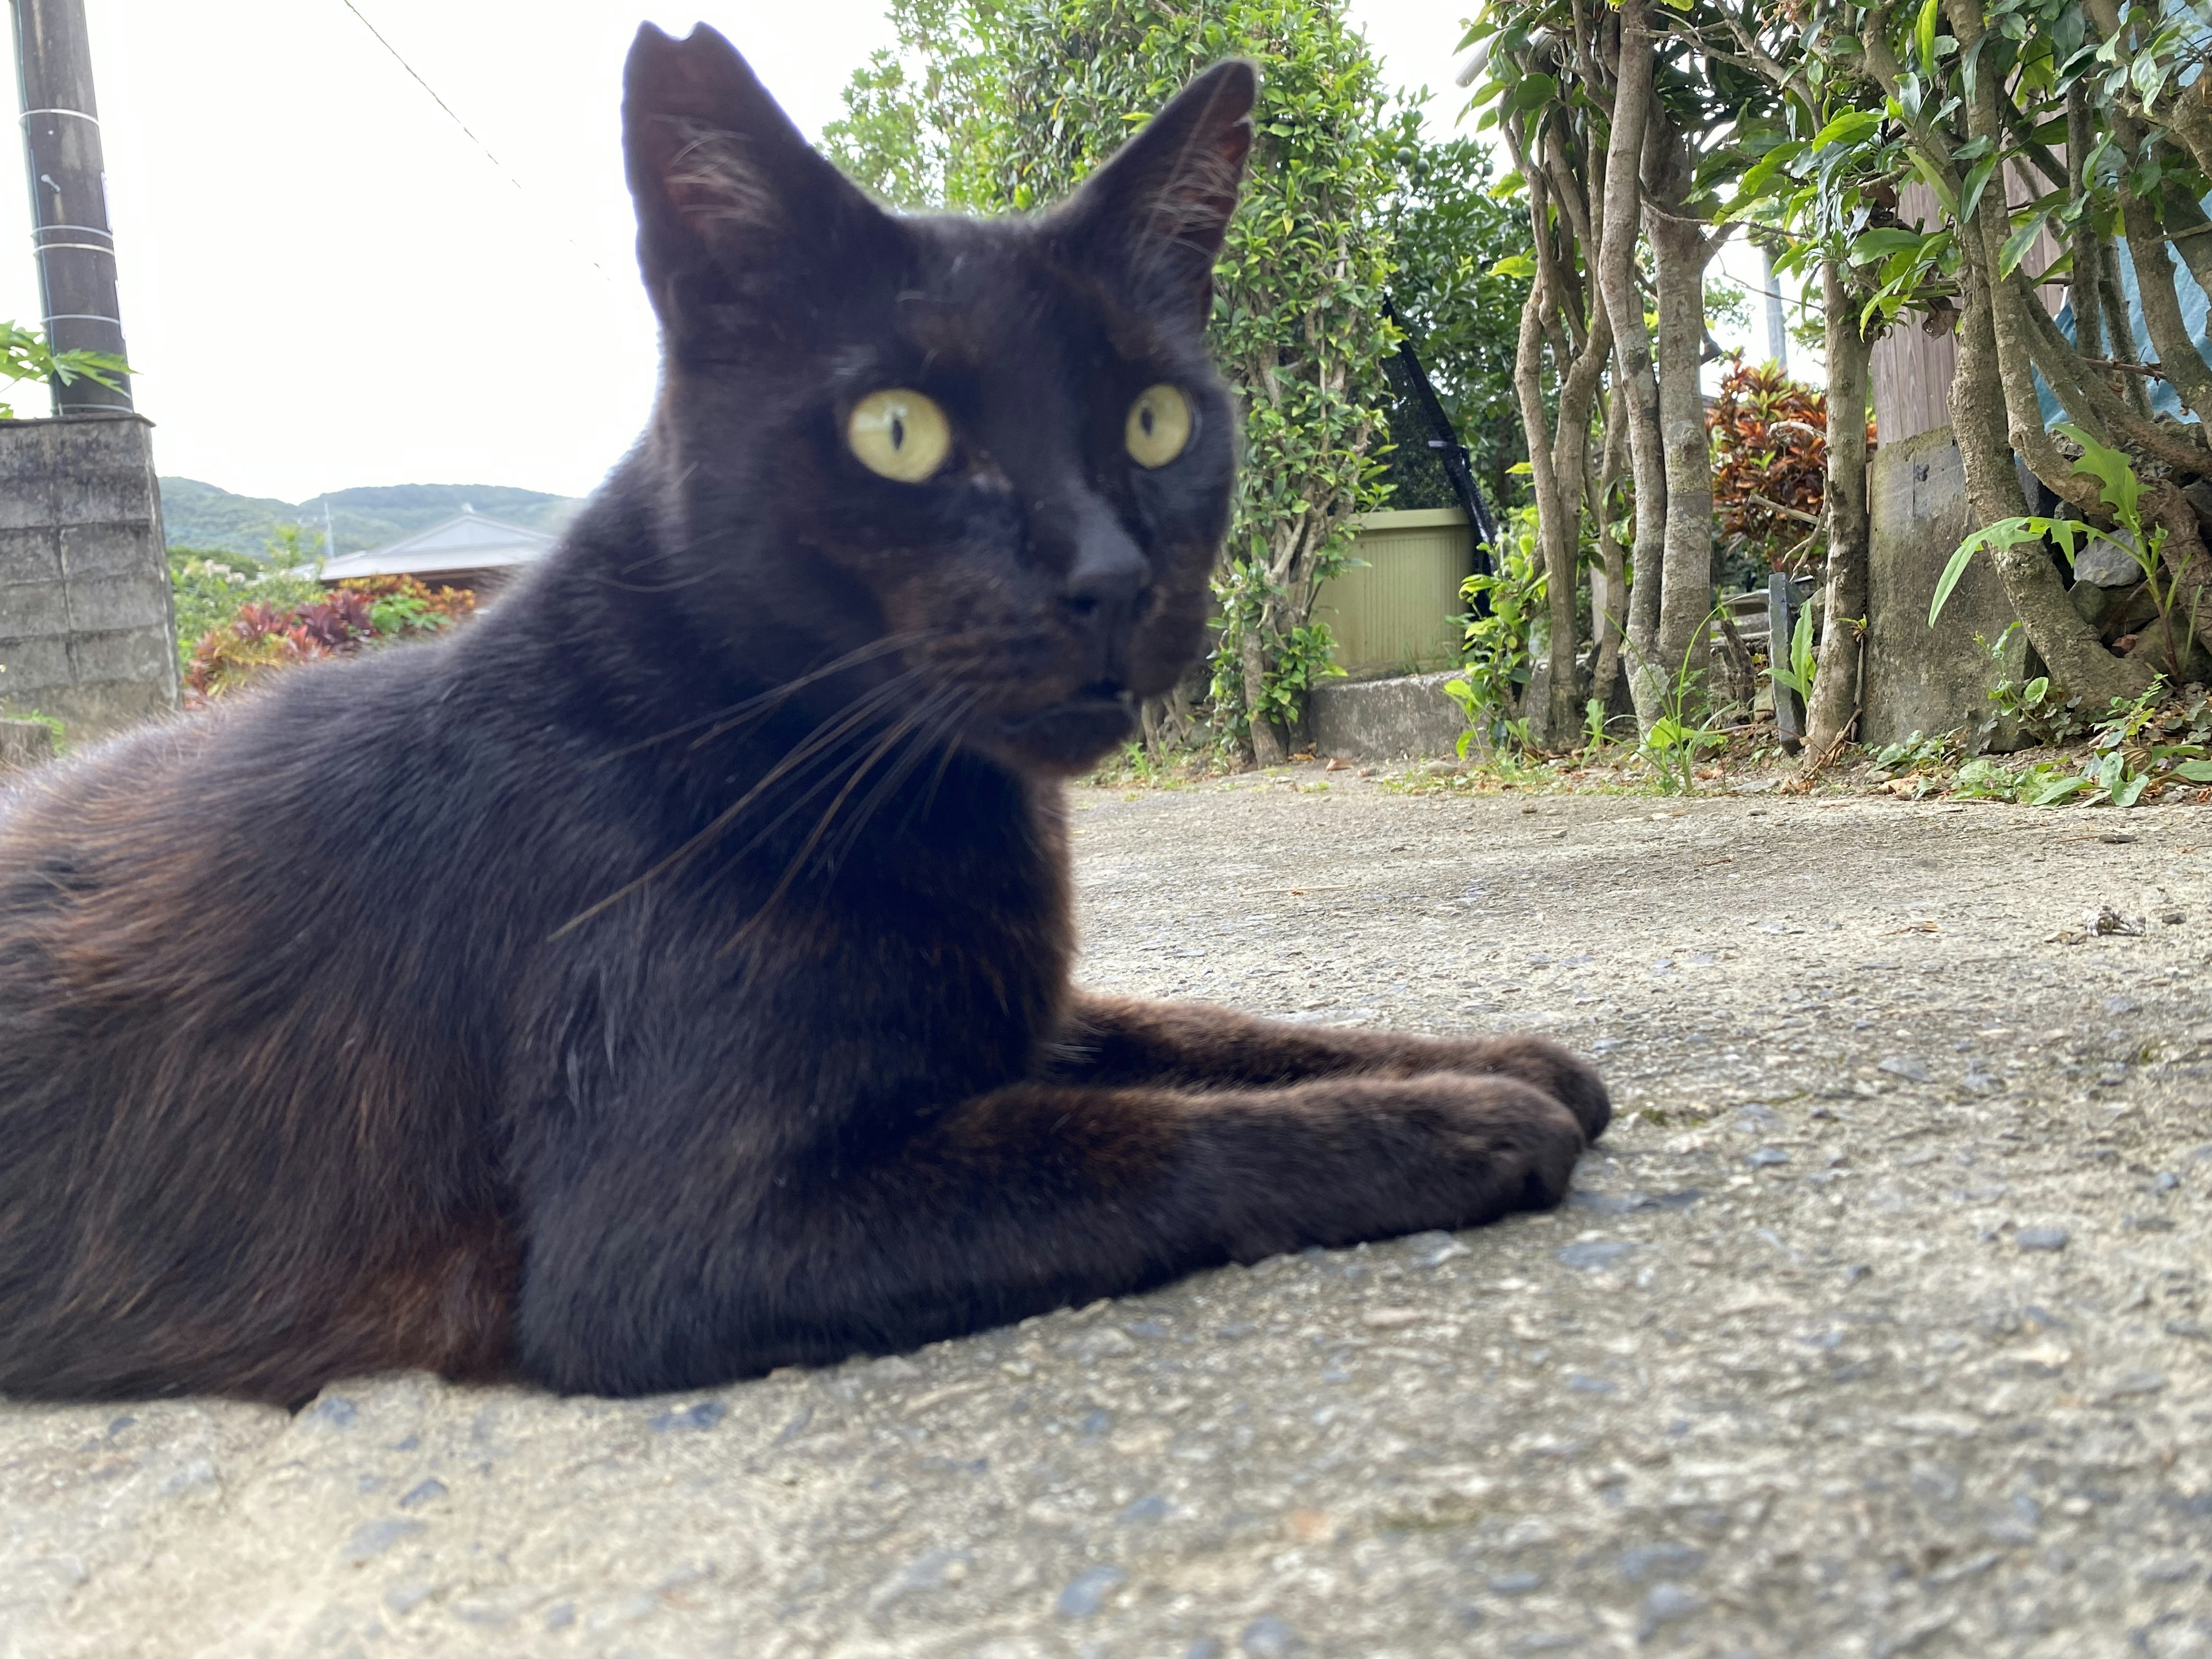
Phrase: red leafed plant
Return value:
(351, 616)
(1770, 436)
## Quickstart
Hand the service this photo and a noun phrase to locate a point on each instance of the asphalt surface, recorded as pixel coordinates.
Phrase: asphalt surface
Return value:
(1876, 1326)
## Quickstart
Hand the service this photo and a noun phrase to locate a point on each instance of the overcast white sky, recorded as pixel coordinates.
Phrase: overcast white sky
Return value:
(325, 284)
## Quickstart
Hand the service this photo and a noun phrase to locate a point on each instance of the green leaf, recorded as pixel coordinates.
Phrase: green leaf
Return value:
(2130, 790)
(1952, 571)
(2148, 75)
(1535, 89)
(1849, 128)
(2111, 469)
(1975, 180)
(1932, 176)
(1923, 37)
(1755, 178)
(1515, 264)
(2017, 245)
(2003, 533)
(2196, 771)
(2064, 789)
(1880, 244)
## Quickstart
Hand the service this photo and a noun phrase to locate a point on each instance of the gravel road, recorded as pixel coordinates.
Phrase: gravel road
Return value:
(1876, 1327)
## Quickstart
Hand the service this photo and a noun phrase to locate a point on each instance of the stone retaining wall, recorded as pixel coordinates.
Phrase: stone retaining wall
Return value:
(1920, 680)
(1404, 717)
(87, 630)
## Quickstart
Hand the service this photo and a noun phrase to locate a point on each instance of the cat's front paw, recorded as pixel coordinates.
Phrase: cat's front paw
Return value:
(1568, 1079)
(1516, 1147)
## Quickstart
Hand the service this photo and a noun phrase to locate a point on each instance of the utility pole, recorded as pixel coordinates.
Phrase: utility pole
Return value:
(1777, 330)
(69, 237)
(87, 622)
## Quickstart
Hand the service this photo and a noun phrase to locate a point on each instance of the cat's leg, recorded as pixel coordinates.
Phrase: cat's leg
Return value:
(657, 1267)
(1125, 1042)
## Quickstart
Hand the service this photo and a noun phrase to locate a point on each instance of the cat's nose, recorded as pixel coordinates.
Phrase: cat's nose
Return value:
(1108, 574)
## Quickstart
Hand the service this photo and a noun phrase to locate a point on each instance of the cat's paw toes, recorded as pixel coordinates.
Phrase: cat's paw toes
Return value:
(1506, 1145)
(1572, 1081)
(1533, 1145)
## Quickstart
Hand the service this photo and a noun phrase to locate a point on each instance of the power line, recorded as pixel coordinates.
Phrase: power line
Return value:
(450, 114)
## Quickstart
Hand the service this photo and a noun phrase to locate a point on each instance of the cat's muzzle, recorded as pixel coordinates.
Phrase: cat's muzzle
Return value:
(1073, 733)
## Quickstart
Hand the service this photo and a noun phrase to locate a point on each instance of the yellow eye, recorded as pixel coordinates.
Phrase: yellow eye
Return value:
(1159, 426)
(900, 434)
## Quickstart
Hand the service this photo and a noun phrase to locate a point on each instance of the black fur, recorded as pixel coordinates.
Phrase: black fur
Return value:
(666, 977)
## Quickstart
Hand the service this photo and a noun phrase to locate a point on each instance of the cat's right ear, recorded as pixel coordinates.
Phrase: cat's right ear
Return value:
(734, 208)
(1155, 215)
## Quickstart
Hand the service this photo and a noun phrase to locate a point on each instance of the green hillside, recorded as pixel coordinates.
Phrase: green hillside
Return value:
(196, 514)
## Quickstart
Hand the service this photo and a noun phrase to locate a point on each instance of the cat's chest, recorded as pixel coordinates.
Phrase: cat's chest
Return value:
(929, 964)
(981, 932)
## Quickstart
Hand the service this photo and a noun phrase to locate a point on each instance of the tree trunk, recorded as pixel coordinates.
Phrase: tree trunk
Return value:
(1610, 617)
(1557, 468)
(1835, 700)
(2028, 342)
(2082, 293)
(1635, 388)
(2188, 568)
(2076, 657)
(2178, 360)
(1268, 748)
(1680, 251)
(2120, 331)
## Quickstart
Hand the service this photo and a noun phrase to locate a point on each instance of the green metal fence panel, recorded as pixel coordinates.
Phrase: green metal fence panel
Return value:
(1398, 611)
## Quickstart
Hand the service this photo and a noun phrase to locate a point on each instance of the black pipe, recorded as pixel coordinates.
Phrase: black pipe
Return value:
(1451, 453)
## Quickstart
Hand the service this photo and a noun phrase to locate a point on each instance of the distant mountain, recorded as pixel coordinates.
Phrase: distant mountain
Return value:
(196, 515)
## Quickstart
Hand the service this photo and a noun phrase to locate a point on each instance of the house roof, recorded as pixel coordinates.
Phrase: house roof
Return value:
(470, 541)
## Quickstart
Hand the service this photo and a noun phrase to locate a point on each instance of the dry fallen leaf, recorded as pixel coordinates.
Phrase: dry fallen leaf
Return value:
(1307, 1526)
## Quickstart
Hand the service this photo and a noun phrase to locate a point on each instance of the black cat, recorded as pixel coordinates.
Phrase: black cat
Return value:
(666, 978)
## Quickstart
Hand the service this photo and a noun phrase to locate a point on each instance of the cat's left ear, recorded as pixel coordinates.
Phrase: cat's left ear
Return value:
(734, 207)
(1155, 215)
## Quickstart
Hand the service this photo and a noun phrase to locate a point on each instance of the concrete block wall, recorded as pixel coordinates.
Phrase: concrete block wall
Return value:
(87, 628)
(1920, 680)
(1394, 719)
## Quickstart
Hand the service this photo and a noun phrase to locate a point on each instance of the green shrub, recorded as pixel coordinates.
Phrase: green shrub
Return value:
(261, 633)
(1499, 648)
(210, 586)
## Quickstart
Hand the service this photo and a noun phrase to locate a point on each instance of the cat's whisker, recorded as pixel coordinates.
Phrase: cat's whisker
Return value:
(824, 735)
(944, 765)
(793, 805)
(938, 733)
(782, 693)
(661, 555)
(917, 735)
(739, 714)
(913, 720)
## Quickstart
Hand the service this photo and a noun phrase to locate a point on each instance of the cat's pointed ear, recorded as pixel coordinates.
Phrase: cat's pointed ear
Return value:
(732, 203)
(1154, 215)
